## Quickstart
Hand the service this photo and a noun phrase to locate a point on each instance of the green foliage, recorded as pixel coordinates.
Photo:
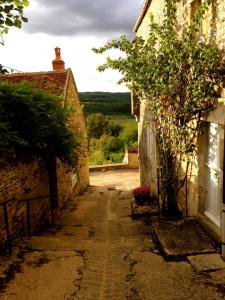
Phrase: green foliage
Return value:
(113, 144)
(116, 157)
(179, 77)
(97, 157)
(106, 103)
(97, 124)
(11, 14)
(109, 147)
(114, 129)
(129, 135)
(33, 122)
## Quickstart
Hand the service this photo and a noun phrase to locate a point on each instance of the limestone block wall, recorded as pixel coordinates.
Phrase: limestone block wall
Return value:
(133, 162)
(148, 158)
(78, 125)
(213, 24)
(131, 158)
(155, 9)
(23, 180)
(64, 183)
(29, 179)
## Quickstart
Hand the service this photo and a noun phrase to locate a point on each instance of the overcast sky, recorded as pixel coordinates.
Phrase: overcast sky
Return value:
(75, 26)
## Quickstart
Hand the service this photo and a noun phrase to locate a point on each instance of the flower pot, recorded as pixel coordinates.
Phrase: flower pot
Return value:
(141, 199)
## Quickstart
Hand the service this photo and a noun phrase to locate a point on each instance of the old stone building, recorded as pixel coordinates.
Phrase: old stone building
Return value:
(206, 186)
(30, 178)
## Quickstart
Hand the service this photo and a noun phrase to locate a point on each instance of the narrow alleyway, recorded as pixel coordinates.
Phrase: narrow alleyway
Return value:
(97, 252)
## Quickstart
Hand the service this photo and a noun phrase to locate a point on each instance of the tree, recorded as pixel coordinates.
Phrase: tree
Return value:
(11, 15)
(97, 124)
(179, 78)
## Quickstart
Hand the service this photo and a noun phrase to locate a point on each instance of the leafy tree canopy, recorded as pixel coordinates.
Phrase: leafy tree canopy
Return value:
(98, 125)
(11, 14)
(33, 122)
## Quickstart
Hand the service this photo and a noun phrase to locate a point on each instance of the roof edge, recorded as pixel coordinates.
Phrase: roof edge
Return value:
(33, 73)
(69, 73)
(142, 14)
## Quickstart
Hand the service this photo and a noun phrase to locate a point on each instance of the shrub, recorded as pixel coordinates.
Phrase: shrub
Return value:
(33, 122)
(113, 144)
(97, 124)
(129, 135)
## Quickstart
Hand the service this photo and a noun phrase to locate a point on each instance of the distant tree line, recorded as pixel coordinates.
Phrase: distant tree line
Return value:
(106, 103)
(107, 141)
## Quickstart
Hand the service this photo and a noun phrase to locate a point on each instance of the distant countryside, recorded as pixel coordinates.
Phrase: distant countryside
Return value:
(111, 127)
(106, 103)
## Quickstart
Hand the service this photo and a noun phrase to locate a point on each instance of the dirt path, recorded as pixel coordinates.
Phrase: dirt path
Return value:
(97, 252)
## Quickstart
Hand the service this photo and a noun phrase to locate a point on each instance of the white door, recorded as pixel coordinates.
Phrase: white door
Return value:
(213, 175)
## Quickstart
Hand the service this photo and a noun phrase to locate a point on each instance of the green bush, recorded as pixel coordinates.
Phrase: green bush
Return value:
(97, 125)
(96, 158)
(116, 157)
(113, 144)
(33, 122)
(115, 129)
(129, 135)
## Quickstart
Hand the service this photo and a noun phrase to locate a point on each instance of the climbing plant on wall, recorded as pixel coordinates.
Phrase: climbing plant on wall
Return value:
(179, 77)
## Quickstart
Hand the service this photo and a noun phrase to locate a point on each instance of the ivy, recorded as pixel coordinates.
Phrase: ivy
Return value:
(180, 78)
(33, 122)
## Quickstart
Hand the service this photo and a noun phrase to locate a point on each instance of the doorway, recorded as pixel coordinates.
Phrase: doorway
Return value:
(213, 175)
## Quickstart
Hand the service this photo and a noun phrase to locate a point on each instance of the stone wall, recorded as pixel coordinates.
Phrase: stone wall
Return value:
(78, 125)
(131, 158)
(148, 157)
(28, 179)
(23, 180)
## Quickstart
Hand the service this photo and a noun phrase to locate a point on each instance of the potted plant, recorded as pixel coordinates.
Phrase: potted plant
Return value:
(141, 194)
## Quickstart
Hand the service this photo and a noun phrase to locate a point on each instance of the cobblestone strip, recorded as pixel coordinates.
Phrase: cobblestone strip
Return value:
(105, 275)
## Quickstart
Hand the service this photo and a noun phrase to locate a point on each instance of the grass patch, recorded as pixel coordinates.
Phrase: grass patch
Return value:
(123, 120)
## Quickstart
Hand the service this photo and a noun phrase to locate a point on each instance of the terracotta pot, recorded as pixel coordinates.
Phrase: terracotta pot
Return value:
(141, 199)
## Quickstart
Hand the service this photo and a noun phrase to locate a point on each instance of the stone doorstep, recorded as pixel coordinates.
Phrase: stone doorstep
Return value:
(173, 254)
(177, 256)
(206, 262)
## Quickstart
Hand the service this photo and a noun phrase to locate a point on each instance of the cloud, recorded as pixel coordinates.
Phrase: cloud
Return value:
(83, 17)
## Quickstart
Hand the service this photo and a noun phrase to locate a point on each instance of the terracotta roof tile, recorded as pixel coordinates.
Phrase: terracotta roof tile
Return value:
(52, 81)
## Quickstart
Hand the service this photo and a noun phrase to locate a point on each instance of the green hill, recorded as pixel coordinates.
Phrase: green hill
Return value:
(106, 103)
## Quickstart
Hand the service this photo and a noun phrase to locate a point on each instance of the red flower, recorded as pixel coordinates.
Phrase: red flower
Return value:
(141, 190)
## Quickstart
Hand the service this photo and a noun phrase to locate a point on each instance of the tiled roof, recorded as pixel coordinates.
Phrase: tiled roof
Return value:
(52, 81)
(141, 16)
